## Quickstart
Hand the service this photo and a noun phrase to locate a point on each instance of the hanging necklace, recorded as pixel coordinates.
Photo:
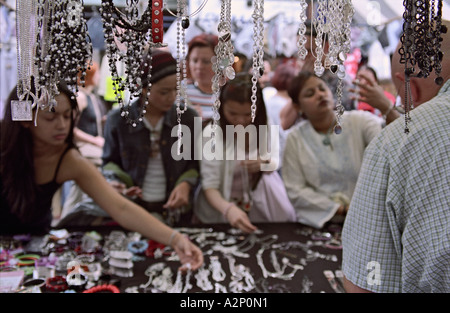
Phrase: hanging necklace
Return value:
(302, 51)
(258, 50)
(222, 62)
(332, 22)
(421, 45)
(136, 35)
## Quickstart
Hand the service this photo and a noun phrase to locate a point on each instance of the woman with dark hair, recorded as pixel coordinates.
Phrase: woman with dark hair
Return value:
(38, 156)
(320, 168)
(234, 174)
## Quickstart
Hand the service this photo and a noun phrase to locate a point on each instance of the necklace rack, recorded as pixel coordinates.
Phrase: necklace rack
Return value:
(134, 33)
(421, 45)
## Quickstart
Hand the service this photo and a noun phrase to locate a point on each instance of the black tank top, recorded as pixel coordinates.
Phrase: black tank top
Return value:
(41, 219)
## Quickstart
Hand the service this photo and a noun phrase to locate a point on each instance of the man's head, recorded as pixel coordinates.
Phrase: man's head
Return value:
(422, 89)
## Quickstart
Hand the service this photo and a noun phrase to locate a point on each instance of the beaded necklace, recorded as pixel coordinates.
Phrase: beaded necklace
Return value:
(421, 45)
(134, 33)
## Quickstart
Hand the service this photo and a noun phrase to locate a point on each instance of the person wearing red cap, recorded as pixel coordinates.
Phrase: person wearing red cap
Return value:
(142, 154)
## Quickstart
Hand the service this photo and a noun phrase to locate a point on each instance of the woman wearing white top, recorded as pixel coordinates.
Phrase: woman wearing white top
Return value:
(320, 168)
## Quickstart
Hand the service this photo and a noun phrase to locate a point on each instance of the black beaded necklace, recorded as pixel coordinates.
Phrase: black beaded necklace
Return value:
(135, 34)
(421, 44)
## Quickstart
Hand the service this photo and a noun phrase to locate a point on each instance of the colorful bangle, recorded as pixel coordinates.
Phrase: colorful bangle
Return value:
(56, 283)
(106, 287)
(137, 247)
(27, 259)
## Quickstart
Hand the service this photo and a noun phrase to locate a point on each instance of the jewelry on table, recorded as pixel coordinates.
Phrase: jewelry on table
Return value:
(178, 285)
(218, 288)
(202, 279)
(218, 274)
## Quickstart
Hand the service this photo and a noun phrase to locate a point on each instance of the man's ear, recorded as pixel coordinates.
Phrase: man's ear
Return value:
(415, 91)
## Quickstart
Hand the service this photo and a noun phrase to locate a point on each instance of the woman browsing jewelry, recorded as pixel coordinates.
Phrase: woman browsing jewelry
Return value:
(39, 155)
(320, 167)
(242, 186)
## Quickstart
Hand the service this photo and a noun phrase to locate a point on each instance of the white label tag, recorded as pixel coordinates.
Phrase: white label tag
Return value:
(21, 110)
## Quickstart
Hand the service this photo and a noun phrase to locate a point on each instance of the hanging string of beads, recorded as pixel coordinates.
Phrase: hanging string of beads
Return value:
(222, 62)
(128, 37)
(258, 50)
(420, 45)
(182, 25)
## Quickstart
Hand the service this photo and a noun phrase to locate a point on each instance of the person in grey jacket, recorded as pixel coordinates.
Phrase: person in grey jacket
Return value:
(157, 176)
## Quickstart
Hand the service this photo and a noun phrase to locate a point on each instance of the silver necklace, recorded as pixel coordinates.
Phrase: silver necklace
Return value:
(258, 50)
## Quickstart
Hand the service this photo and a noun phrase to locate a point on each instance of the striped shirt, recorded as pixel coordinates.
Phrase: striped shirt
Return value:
(198, 97)
(396, 236)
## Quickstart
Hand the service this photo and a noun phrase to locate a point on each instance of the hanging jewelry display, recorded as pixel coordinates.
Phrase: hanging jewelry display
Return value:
(55, 48)
(258, 50)
(222, 62)
(332, 22)
(25, 30)
(134, 34)
(302, 51)
(421, 45)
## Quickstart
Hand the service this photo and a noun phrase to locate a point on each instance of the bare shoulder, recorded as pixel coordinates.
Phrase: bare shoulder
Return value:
(74, 165)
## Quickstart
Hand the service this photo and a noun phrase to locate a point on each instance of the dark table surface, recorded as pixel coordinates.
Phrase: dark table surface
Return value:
(278, 258)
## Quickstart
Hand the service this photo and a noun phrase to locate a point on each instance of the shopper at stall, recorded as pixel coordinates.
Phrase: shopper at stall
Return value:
(239, 183)
(146, 152)
(371, 96)
(39, 155)
(200, 73)
(320, 168)
(396, 235)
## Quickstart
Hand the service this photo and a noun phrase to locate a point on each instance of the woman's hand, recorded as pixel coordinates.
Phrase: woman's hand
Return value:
(179, 196)
(191, 257)
(239, 219)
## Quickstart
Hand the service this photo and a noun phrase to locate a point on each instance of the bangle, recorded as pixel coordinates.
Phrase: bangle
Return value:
(56, 283)
(388, 111)
(225, 212)
(27, 259)
(137, 247)
(172, 236)
(106, 287)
